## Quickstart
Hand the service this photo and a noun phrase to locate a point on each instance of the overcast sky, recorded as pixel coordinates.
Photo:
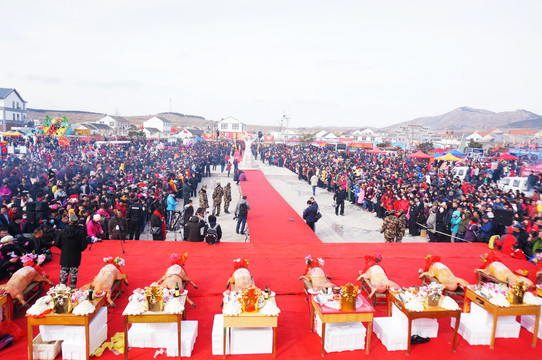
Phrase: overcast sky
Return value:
(346, 63)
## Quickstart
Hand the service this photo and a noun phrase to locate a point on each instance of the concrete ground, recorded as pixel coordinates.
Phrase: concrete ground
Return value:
(356, 226)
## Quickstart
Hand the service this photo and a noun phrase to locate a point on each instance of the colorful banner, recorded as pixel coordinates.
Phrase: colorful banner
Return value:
(361, 145)
(268, 139)
(346, 139)
(208, 136)
(233, 135)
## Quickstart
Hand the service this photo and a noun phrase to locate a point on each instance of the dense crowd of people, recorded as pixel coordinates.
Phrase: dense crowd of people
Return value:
(416, 195)
(110, 191)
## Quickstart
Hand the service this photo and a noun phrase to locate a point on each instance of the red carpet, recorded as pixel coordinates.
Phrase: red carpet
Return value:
(279, 264)
(276, 252)
(271, 218)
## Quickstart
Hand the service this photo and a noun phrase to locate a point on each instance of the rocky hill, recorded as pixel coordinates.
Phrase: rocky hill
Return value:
(460, 119)
(466, 118)
(176, 119)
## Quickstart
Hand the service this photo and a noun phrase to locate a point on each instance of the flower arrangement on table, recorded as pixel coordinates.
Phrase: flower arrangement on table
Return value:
(240, 263)
(118, 262)
(310, 263)
(417, 298)
(496, 293)
(175, 259)
(62, 300)
(249, 300)
(153, 298)
(33, 260)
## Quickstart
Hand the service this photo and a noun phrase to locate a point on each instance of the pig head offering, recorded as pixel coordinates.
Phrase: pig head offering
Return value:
(378, 278)
(316, 277)
(20, 280)
(103, 282)
(445, 276)
(503, 274)
(240, 279)
(174, 275)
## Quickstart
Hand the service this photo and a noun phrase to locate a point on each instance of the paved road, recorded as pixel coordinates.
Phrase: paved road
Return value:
(356, 226)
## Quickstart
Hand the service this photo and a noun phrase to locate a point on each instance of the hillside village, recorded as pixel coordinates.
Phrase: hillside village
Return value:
(180, 127)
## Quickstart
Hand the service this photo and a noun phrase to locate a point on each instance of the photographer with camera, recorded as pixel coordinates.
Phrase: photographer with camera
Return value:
(241, 214)
(195, 226)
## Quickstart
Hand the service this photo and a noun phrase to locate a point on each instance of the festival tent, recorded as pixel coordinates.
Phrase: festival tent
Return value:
(456, 153)
(437, 155)
(448, 157)
(376, 151)
(419, 155)
(13, 134)
(507, 157)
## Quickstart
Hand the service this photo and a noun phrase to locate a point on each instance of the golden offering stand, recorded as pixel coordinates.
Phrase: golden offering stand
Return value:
(154, 296)
(349, 294)
(250, 298)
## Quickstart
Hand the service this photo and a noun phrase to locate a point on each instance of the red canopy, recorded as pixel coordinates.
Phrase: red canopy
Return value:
(376, 151)
(86, 138)
(419, 155)
(507, 157)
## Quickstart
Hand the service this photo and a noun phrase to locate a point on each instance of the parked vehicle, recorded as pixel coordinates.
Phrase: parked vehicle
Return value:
(460, 172)
(515, 183)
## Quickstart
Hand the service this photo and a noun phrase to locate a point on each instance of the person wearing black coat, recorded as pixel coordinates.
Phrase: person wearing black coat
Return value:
(158, 222)
(309, 214)
(72, 242)
(194, 229)
(339, 197)
(187, 214)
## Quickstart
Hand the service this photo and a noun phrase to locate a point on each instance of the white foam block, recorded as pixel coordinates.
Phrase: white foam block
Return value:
(507, 326)
(45, 350)
(251, 340)
(474, 331)
(164, 335)
(527, 321)
(218, 336)
(425, 327)
(76, 351)
(342, 336)
(189, 333)
(74, 334)
(391, 332)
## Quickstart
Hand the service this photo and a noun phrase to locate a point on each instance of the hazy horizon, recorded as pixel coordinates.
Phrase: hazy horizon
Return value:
(347, 64)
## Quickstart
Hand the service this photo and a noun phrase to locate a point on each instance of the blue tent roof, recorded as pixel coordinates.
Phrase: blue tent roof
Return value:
(437, 154)
(456, 153)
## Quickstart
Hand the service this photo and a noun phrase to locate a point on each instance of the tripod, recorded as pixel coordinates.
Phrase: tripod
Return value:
(121, 245)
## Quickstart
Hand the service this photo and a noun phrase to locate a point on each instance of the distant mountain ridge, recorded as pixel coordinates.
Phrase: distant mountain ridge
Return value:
(466, 118)
(75, 116)
(461, 119)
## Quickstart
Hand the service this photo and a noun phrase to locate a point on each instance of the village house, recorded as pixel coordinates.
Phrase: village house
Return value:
(230, 124)
(119, 124)
(163, 125)
(12, 109)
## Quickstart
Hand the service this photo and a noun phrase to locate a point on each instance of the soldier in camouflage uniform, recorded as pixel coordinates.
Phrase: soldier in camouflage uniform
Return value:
(389, 227)
(203, 202)
(401, 226)
(217, 199)
(227, 197)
